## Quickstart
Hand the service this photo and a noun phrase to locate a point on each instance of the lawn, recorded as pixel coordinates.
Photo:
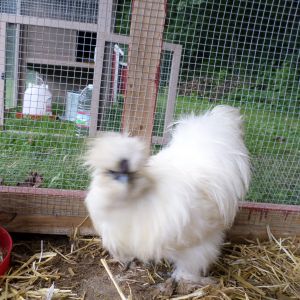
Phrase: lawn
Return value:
(51, 147)
(273, 139)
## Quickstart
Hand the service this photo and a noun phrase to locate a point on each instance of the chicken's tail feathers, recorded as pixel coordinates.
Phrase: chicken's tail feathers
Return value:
(220, 112)
(222, 120)
(214, 140)
(229, 115)
(226, 109)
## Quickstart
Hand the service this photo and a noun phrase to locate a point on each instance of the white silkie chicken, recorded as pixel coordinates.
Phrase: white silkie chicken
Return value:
(176, 204)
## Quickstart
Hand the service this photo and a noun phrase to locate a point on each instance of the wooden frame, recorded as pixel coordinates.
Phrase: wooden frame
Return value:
(45, 22)
(172, 91)
(103, 31)
(24, 209)
(253, 219)
(104, 34)
(2, 70)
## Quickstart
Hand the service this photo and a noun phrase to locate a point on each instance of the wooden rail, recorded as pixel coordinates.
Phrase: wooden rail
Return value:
(51, 211)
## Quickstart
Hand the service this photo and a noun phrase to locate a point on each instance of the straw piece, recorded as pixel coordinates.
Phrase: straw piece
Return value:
(280, 245)
(30, 276)
(71, 272)
(199, 293)
(104, 263)
(35, 256)
(63, 256)
(56, 294)
(80, 249)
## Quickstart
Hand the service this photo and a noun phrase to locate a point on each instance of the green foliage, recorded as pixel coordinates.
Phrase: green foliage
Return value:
(218, 34)
(253, 41)
(122, 17)
(277, 86)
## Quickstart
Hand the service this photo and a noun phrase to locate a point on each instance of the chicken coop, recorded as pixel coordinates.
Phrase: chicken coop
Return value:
(71, 69)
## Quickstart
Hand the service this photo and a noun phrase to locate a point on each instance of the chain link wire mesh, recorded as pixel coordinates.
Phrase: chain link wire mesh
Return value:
(241, 53)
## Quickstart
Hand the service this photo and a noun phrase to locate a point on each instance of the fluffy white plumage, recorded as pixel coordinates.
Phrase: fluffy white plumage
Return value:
(176, 204)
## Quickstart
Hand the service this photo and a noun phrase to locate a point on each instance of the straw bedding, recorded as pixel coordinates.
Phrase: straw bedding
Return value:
(78, 268)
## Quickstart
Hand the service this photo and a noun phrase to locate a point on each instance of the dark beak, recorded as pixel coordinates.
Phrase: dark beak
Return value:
(124, 166)
(123, 174)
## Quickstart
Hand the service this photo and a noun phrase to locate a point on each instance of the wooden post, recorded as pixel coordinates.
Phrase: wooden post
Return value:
(104, 29)
(2, 70)
(147, 25)
(172, 91)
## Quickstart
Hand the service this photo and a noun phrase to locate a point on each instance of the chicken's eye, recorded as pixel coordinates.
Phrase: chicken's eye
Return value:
(119, 176)
(112, 172)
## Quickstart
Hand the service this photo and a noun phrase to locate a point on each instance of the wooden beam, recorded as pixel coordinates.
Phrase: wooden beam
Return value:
(51, 211)
(47, 22)
(146, 32)
(16, 62)
(251, 223)
(2, 70)
(172, 91)
(60, 63)
(44, 224)
(253, 219)
(105, 15)
(100, 82)
(100, 48)
(41, 201)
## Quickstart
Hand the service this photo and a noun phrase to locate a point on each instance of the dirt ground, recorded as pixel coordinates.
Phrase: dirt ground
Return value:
(240, 273)
(85, 275)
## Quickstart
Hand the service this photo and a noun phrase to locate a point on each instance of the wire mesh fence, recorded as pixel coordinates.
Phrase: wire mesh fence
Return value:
(65, 74)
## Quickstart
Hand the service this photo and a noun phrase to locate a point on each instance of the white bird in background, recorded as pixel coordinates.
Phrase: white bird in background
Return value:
(176, 204)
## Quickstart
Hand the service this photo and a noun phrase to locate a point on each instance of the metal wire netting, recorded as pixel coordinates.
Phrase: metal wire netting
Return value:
(52, 53)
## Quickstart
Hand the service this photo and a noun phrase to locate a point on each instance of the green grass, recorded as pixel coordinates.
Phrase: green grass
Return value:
(9, 92)
(51, 147)
(54, 157)
(273, 139)
(42, 126)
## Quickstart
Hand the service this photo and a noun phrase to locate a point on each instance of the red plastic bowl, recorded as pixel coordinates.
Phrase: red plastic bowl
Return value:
(6, 246)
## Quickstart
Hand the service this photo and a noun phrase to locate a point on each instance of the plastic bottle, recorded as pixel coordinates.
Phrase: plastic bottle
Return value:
(83, 116)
